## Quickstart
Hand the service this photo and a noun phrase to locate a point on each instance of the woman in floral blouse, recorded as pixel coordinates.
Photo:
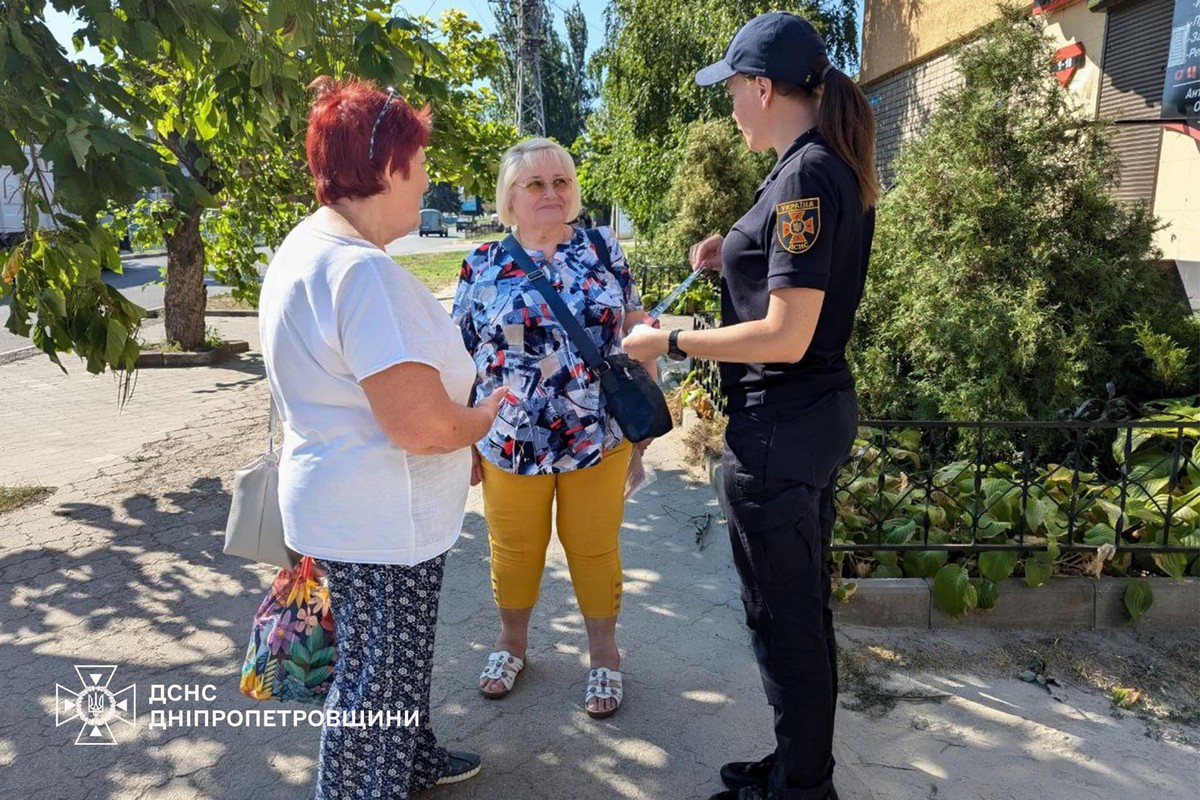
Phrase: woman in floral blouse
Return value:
(555, 438)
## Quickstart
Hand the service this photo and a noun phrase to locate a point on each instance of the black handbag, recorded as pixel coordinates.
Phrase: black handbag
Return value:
(630, 394)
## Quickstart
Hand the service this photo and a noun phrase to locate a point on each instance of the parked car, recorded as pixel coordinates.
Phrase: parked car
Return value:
(451, 219)
(432, 223)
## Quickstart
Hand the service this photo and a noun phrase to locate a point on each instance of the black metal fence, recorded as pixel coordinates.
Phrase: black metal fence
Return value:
(1129, 487)
(655, 281)
(1023, 486)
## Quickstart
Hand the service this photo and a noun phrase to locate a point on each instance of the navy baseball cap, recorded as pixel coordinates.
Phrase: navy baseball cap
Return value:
(776, 45)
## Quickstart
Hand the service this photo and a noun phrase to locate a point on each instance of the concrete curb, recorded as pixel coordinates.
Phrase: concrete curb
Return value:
(231, 312)
(1063, 603)
(192, 359)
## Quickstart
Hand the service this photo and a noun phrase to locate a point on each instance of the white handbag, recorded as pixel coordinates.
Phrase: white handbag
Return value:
(255, 527)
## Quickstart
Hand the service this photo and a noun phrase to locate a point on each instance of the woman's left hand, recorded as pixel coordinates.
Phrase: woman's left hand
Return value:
(639, 318)
(644, 343)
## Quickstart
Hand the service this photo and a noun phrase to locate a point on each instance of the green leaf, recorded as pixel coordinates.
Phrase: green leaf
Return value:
(899, 531)
(1039, 567)
(77, 138)
(317, 676)
(953, 592)
(260, 73)
(886, 557)
(323, 656)
(997, 565)
(299, 653)
(924, 563)
(1100, 534)
(888, 571)
(114, 346)
(316, 639)
(293, 669)
(1173, 564)
(987, 593)
(1138, 599)
(845, 590)
(11, 154)
(277, 14)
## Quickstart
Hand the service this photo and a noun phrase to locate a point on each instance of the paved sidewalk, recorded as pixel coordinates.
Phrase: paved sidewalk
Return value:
(122, 565)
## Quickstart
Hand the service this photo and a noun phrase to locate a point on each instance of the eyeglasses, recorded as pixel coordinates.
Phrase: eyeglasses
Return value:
(537, 186)
(378, 119)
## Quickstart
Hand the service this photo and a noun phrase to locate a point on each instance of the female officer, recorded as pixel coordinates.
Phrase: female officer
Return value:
(792, 276)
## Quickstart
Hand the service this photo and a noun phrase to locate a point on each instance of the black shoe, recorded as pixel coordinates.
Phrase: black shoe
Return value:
(460, 767)
(739, 774)
(754, 792)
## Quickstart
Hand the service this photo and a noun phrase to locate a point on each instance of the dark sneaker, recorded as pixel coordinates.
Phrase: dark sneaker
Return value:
(461, 766)
(738, 774)
(755, 792)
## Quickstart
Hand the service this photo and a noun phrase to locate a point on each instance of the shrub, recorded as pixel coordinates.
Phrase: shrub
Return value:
(1006, 281)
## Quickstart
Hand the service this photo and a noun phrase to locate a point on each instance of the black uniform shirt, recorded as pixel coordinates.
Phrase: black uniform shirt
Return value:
(807, 229)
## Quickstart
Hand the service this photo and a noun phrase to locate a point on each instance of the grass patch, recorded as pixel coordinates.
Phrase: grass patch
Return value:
(212, 340)
(435, 270)
(225, 302)
(14, 497)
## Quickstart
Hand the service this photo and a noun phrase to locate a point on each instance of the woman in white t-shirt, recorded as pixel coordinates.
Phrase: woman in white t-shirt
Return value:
(372, 383)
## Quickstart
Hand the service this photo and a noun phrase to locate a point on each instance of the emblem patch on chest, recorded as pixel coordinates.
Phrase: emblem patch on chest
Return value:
(798, 223)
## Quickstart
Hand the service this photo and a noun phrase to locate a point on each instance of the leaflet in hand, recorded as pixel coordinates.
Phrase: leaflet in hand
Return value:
(675, 294)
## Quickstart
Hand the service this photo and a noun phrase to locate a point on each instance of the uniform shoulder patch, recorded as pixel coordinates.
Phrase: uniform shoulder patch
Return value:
(798, 224)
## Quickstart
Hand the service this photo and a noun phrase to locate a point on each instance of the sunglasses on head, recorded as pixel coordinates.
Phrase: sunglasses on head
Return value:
(538, 185)
(378, 119)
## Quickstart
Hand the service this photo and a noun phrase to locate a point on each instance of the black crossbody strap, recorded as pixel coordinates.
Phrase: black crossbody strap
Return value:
(575, 332)
(601, 247)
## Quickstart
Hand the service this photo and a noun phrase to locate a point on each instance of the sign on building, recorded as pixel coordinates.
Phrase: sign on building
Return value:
(1046, 6)
(1181, 95)
(1067, 62)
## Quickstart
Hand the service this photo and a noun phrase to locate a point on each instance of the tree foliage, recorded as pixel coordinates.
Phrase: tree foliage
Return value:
(635, 144)
(209, 100)
(1006, 281)
(712, 188)
(567, 91)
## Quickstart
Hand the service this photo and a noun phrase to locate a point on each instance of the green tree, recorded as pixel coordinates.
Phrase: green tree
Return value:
(219, 90)
(1006, 281)
(442, 196)
(649, 98)
(567, 91)
(713, 186)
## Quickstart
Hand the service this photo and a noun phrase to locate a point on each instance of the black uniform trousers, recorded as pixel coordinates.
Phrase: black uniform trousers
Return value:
(779, 466)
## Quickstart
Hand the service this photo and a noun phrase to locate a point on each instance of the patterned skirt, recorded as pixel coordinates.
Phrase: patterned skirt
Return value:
(385, 616)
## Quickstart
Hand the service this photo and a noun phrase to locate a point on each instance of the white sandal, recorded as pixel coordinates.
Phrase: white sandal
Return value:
(501, 666)
(603, 684)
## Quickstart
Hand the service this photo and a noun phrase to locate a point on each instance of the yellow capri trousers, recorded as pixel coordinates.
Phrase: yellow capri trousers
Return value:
(591, 505)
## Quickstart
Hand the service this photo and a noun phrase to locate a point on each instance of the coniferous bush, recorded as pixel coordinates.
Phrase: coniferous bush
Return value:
(1006, 280)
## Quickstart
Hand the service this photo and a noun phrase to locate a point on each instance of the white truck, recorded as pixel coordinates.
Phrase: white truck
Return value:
(12, 204)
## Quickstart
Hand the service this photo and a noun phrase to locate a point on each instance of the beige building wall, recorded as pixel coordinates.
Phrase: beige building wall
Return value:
(898, 32)
(1177, 197)
(1076, 23)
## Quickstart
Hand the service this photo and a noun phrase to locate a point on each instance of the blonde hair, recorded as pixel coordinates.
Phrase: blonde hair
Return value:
(524, 155)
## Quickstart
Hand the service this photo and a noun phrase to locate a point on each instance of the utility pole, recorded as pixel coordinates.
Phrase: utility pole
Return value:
(531, 111)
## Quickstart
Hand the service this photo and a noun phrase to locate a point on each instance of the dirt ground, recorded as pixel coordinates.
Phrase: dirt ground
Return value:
(947, 714)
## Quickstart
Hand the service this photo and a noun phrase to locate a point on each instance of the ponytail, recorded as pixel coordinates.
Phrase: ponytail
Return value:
(847, 124)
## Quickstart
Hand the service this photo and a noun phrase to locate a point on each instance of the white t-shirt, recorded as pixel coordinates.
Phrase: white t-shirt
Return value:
(333, 311)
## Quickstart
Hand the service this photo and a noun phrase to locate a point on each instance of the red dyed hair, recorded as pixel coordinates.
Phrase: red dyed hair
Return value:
(339, 132)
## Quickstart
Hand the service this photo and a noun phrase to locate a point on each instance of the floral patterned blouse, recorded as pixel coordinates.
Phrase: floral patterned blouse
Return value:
(561, 422)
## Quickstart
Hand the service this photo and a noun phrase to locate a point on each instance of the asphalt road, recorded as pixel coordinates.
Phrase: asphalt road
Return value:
(140, 281)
